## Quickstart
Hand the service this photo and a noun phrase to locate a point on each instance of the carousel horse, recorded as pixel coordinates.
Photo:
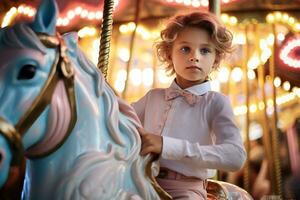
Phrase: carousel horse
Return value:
(80, 140)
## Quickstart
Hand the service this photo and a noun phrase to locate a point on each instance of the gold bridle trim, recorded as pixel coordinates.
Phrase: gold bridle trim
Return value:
(14, 140)
(148, 171)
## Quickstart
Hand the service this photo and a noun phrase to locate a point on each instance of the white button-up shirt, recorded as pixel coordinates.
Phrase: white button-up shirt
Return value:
(196, 139)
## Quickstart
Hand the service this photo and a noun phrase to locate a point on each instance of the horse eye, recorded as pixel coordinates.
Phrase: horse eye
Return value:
(27, 72)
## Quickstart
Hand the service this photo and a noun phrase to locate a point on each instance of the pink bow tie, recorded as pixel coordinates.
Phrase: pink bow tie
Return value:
(172, 93)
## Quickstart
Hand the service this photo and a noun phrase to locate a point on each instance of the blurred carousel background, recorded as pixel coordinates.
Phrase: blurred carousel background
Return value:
(262, 76)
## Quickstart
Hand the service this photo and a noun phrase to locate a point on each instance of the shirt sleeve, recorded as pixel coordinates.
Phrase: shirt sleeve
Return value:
(227, 153)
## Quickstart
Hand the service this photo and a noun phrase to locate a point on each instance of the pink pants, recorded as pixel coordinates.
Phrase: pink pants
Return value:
(183, 188)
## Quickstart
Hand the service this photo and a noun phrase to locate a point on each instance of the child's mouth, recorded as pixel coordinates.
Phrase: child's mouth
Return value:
(194, 67)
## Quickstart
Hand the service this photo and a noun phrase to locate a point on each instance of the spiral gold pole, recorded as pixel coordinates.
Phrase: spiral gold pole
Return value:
(106, 33)
(274, 138)
(246, 89)
(113, 68)
(265, 120)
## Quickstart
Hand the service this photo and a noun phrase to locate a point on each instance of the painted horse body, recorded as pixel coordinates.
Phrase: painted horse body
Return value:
(77, 142)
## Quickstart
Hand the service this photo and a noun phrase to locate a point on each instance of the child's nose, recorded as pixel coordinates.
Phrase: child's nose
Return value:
(194, 59)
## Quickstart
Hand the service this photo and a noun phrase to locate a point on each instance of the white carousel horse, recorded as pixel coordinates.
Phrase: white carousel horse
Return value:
(79, 140)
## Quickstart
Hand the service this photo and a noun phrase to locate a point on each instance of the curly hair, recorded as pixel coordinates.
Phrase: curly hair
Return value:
(220, 36)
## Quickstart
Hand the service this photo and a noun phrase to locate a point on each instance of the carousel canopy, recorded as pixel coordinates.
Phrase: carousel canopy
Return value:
(83, 12)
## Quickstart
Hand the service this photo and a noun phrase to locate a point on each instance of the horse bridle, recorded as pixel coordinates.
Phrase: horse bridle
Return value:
(60, 70)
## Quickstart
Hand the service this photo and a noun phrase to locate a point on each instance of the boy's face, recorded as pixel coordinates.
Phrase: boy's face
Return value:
(193, 56)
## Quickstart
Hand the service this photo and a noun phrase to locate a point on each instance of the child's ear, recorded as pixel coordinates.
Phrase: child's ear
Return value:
(169, 58)
(217, 62)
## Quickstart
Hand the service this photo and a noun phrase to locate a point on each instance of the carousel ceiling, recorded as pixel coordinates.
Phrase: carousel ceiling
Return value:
(91, 10)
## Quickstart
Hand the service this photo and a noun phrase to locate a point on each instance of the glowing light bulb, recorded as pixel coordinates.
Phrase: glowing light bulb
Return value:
(277, 81)
(196, 3)
(148, 76)
(71, 14)
(124, 54)
(270, 18)
(251, 74)
(278, 16)
(187, 2)
(223, 74)
(225, 18)
(135, 76)
(286, 86)
(253, 108)
(280, 36)
(233, 20)
(121, 75)
(237, 74)
(78, 10)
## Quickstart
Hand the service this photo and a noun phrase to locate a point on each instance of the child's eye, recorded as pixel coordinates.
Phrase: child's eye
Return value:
(185, 49)
(205, 50)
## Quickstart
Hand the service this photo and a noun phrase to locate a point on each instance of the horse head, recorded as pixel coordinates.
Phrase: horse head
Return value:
(32, 66)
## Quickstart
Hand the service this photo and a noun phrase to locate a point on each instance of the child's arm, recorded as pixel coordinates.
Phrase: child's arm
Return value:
(151, 143)
(227, 153)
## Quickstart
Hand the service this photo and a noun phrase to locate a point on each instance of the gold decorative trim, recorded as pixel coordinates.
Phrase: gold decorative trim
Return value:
(14, 140)
(48, 40)
(162, 194)
(61, 69)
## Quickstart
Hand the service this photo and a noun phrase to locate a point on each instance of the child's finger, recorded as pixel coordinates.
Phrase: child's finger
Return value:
(146, 150)
(144, 144)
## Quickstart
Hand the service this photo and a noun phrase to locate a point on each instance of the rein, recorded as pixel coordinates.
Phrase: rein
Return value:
(60, 70)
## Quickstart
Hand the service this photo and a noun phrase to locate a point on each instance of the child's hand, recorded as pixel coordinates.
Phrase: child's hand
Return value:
(150, 143)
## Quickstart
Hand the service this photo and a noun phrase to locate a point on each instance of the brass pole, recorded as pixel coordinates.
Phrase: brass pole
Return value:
(265, 120)
(106, 33)
(274, 138)
(215, 7)
(131, 48)
(246, 89)
(111, 70)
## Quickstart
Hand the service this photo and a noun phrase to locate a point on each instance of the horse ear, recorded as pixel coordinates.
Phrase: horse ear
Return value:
(71, 40)
(45, 18)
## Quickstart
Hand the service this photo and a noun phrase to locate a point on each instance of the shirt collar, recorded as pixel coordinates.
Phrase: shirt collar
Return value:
(198, 89)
